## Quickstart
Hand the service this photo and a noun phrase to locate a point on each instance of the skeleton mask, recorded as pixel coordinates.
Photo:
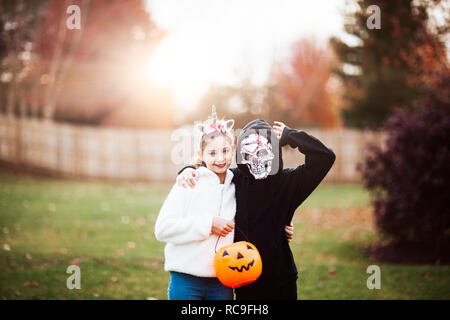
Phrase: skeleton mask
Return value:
(256, 152)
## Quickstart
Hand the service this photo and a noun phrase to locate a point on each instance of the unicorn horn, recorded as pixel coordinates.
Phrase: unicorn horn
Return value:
(213, 113)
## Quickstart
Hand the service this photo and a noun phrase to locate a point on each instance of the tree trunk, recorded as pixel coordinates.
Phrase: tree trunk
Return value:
(49, 101)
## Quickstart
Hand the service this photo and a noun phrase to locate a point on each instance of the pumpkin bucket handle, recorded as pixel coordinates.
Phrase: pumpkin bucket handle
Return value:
(245, 236)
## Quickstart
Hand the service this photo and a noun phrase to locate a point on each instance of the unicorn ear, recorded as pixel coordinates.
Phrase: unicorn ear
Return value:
(229, 124)
(200, 127)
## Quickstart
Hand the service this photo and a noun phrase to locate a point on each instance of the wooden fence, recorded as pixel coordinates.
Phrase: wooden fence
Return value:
(146, 155)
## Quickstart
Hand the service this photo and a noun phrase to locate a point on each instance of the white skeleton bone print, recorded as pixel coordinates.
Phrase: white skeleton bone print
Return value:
(257, 154)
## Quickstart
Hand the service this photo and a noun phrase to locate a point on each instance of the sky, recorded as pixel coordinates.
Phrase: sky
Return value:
(223, 41)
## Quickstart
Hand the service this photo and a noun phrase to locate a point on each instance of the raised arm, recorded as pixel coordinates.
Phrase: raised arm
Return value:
(318, 161)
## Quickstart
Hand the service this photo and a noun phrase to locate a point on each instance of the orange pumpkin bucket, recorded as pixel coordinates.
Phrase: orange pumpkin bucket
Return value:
(238, 264)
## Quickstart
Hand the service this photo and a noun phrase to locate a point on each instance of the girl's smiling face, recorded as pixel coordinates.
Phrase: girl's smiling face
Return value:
(217, 154)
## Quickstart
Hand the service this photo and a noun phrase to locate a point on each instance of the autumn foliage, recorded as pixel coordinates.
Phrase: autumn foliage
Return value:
(409, 177)
(392, 66)
(304, 89)
(300, 91)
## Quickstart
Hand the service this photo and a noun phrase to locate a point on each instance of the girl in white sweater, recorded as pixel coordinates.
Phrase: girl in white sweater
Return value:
(192, 220)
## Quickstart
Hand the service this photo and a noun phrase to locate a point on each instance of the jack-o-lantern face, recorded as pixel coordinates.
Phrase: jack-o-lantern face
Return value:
(238, 264)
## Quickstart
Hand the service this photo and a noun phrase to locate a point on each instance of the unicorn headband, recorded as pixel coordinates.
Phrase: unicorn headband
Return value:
(213, 123)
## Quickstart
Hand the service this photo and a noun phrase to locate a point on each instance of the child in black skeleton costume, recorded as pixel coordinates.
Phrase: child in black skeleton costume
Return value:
(268, 195)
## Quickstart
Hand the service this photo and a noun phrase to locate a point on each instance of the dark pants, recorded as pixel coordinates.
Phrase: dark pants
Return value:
(286, 291)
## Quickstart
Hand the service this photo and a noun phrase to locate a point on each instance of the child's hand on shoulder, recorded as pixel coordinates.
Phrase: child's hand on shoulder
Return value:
(278, 127)
(187, 178)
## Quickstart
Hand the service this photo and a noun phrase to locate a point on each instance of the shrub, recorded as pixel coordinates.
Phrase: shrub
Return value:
(410, 176)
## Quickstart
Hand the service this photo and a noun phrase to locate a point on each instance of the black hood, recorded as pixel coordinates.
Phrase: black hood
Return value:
(261, 127)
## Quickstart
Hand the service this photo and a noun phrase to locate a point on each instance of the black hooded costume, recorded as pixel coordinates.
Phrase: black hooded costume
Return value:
(264, 207)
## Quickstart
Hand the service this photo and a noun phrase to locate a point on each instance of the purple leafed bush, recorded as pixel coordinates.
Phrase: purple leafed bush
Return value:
(410, 176)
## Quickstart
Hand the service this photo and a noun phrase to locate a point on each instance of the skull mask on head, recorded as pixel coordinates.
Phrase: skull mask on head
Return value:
(256, 152)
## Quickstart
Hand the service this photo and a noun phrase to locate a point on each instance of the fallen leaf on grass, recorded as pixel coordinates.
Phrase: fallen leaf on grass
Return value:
(75, 261)
(32, 284)
(426, 276)
(332, 271)
(82, 234)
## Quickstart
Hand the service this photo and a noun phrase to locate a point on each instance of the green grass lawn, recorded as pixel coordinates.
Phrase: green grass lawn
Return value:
(107, 230)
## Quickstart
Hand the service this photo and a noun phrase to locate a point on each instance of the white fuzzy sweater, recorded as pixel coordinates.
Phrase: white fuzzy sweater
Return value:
(185, 221)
